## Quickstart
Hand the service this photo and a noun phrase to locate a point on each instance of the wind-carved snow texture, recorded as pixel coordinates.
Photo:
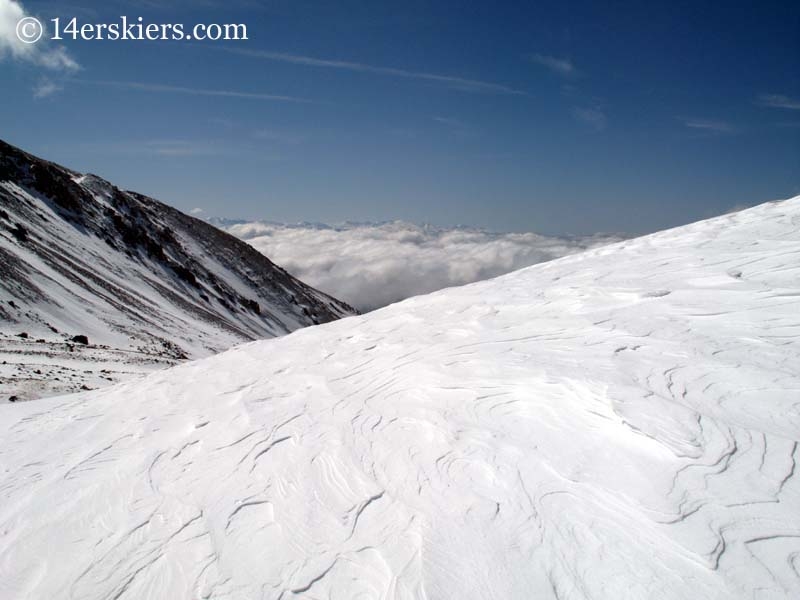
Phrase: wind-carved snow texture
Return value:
(145, 283)
(618, 424)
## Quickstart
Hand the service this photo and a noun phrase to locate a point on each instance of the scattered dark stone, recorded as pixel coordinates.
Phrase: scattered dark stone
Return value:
(3, 214)
(12, 305)
(38, 372)
(23, 335)
(20, 233)
(53, 329)
(41, 341)
(13, 399)
(81, 339)
(251, 304)
(154, 249)
(185, 274)
(86, 388)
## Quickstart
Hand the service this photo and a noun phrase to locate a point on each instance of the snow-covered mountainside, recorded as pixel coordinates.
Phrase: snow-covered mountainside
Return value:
(622, 423)
(145, 284)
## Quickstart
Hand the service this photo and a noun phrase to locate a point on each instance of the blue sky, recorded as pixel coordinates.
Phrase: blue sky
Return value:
(557, 117)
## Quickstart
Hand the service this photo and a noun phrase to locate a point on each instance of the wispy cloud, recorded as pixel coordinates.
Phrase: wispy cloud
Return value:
(778, 101)
(593, 117)
(162, 148)
(450, 122)
(45, 88)
(41, 54)
(223, 122)
(560, 66)
(282, 137)
(172, 89)
(456, 83)
(455, 126)
(254, 131)
(707, 126)
(78, 8)
(184, 148)
(171, 5)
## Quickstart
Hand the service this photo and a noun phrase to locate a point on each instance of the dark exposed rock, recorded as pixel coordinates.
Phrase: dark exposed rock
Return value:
(185, 274)
(81, 339)
(250, 305)
(20, 233)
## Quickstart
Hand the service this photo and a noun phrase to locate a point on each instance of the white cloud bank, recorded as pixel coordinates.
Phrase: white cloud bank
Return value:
(370, 266)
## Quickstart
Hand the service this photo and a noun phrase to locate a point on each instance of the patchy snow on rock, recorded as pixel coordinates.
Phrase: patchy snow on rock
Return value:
(622, 423)
(80, 257)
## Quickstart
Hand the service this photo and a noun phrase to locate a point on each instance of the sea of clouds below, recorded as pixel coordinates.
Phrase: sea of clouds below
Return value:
(373, 265)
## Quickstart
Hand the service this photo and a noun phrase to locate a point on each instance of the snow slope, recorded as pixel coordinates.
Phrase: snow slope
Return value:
(622, 423)
(79, 256)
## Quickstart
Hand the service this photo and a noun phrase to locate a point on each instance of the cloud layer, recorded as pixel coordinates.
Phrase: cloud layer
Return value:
(370, 266)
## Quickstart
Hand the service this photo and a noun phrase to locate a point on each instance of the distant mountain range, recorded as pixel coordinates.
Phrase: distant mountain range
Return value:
(137, 279)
